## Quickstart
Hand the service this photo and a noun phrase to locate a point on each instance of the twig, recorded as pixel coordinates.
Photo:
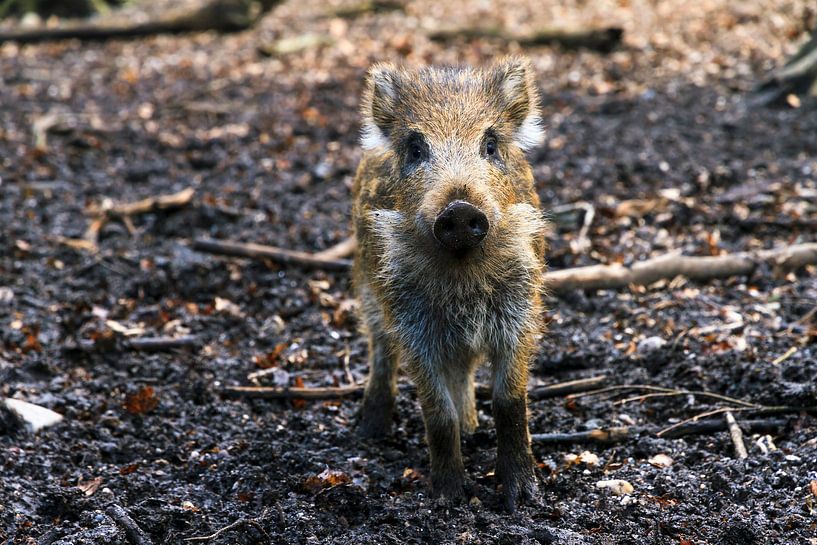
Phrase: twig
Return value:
(218, 15)
(666, 267)
(157, 344)
(782, 409)
(599, 435)
(232, 526)
(274, 392)
(663, 391)
(789, 353)
(124, 212)
(338, 392)
(598, 39)
(612, 435)
(344, 248)
(367, 6)
(144, 206)
(581, 243)
(278, 255)
(347, 372)
(77, 244)
(737, 436)
(135, 534)
(565, 388)
(712, 426)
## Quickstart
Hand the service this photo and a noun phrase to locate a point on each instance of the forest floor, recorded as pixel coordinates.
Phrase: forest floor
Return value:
(657, 136)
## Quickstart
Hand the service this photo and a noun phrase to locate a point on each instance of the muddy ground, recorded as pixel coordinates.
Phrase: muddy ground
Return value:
(658, 136)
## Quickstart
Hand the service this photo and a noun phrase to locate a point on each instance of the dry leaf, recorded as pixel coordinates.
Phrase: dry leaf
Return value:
(89, 487)
(660, 460)
(325, 479)
(142, 402)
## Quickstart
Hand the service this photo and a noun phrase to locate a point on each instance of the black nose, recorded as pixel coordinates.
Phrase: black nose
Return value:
(460, 226)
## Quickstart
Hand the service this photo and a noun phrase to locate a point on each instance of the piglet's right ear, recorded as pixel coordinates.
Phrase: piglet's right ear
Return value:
(379, 102)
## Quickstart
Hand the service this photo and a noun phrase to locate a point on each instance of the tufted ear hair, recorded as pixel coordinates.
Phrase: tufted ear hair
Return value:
(512, 79)
(378, 106)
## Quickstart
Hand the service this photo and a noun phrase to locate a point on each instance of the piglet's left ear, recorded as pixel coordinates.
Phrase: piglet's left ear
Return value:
(513, 80)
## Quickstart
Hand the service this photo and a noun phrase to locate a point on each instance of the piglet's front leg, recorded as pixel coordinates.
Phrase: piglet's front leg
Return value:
(442, 432)
(514, 459)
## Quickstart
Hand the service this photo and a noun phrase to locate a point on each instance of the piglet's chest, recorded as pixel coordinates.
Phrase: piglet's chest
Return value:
(453, 323)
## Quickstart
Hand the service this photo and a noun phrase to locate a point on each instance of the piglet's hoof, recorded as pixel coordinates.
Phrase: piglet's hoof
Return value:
(449, 485)
(517, 483)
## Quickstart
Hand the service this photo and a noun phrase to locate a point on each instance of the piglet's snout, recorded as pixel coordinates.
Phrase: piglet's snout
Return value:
(461, 226)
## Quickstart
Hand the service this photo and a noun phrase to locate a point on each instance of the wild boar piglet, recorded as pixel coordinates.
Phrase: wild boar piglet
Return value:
(450, 255)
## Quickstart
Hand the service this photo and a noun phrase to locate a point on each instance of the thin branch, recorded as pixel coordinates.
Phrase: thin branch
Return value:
(661, 391)
(158, 344)
(712, 426)
(274, 392)
(598, 435)
(344, 248)
(232, 526)
(135, 534)
(565, 388)
(737, 436)
(144, 206)
(124, 212)
(339, 392)
(606, 436)
(668, 432)
(281, 256)
(598, 39)
(218, 15)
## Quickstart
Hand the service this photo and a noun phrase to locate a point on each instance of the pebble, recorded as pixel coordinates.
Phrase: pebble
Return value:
(34, 416)
(650, 344)
(617, 486)
(660, 460)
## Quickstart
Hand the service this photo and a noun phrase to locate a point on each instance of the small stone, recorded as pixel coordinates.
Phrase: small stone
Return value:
(6, 295)
(660, 460)
(588, 458)
(34, 416)
(617, 486)
(650, 344)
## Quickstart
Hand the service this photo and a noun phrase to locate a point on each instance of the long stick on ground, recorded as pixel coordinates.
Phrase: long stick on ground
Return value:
(598, 39)
(218, 15)
(338, 392)
(278, 255)
(606, 436)
(782, 260)
(644, 273)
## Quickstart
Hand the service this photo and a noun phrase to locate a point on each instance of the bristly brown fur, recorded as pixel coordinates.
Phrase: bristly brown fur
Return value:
(440, 314)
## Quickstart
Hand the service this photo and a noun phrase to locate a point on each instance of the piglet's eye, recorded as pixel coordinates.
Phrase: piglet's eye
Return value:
(490, 147)
(416, 149)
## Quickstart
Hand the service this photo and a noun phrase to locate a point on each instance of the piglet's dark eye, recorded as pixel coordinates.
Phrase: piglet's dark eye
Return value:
(416, 149)
(490, 146)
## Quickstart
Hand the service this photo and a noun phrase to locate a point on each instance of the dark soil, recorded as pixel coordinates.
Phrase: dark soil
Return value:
(270, 146)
